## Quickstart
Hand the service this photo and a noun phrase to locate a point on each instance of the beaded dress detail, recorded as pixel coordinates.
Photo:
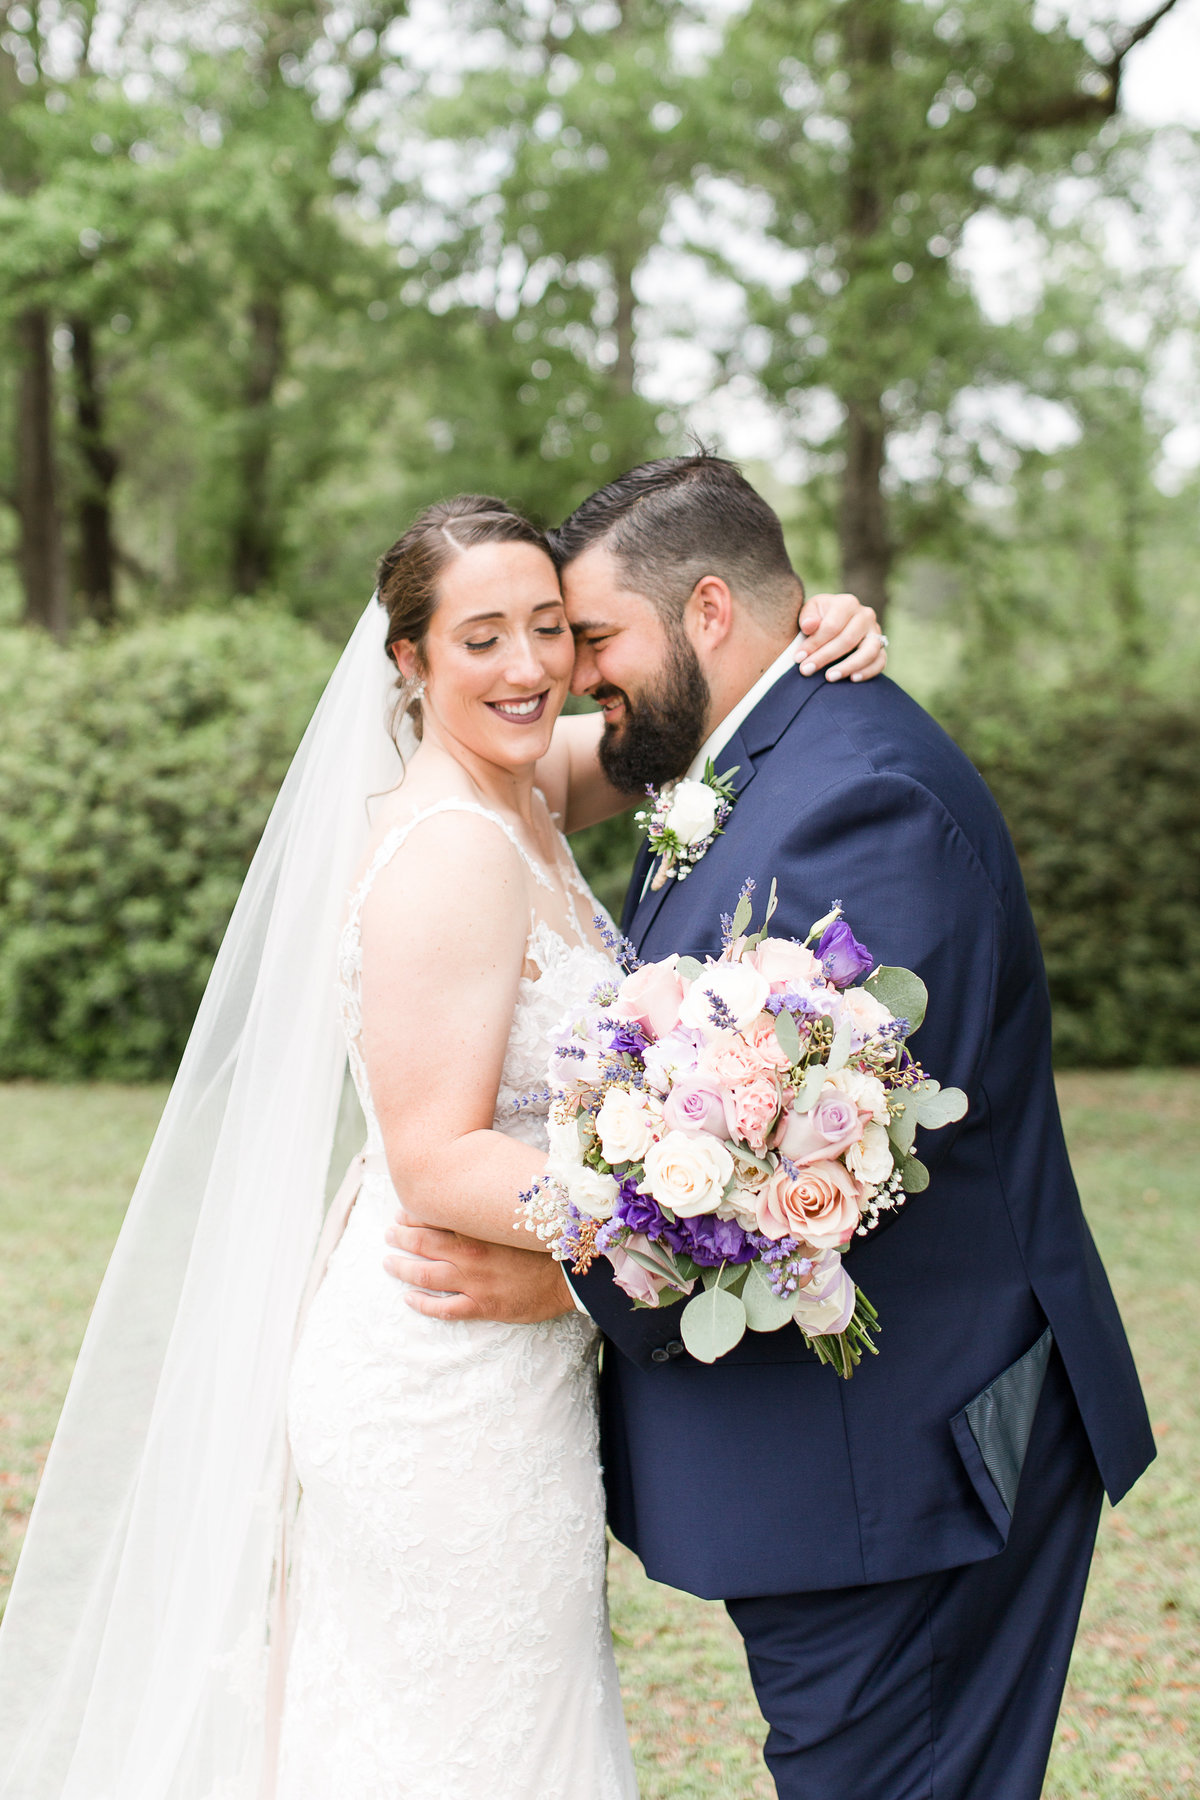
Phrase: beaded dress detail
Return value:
(451, 1637)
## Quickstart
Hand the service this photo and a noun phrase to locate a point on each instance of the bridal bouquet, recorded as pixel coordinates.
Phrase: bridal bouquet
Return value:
(723, 1130)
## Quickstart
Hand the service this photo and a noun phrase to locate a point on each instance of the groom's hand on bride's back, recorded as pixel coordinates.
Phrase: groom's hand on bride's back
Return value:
(455, 1277)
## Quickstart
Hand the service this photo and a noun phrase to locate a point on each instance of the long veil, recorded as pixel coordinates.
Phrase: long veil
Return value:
(132, 1655)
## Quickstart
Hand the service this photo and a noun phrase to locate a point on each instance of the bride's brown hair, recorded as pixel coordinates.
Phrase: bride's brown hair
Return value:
(410, 572)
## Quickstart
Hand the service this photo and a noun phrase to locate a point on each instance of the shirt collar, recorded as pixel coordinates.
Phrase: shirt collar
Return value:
(720, 736)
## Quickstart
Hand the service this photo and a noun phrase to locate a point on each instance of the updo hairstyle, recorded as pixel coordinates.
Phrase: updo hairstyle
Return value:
(409, 573)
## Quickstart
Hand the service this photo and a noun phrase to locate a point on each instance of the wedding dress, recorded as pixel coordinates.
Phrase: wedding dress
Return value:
(451, 1638)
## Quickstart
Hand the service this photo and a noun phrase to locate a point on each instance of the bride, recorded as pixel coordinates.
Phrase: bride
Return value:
(430, 1622)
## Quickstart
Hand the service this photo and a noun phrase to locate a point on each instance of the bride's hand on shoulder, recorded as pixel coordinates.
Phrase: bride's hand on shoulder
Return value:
(842, 637)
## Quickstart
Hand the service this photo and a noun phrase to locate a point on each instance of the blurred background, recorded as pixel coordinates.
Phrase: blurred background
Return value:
(272, 276)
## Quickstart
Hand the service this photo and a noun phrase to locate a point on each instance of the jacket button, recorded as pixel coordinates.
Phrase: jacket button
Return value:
(675, 1348)
(660, 1356)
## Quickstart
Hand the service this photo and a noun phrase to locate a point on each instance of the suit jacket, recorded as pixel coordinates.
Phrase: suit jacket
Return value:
(765, 1472)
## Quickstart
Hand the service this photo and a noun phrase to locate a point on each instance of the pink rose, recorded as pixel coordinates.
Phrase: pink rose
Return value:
(819, 1206)
(652, 995)
(750, 1111)
(766, 1046)
(865, 1013)
(832, 1126)
(630, 1276)
(694, 1106)
(785, 964)
(727, 1060)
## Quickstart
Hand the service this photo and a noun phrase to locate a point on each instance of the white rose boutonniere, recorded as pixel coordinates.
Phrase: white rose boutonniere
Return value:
(684, 820)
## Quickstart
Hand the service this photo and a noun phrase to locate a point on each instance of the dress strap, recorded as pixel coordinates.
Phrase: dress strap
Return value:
(398, 835)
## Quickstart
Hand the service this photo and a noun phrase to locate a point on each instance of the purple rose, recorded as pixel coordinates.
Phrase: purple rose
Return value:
(709, 1241)
(841, 955)
(693, 1106)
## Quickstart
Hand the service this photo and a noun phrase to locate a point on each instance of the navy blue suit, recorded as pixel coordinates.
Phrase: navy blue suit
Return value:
(765, 1476)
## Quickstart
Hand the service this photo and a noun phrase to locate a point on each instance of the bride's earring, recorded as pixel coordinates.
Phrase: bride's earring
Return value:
(418, 692)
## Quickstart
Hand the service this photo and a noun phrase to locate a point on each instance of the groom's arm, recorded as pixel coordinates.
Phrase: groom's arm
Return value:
(917, 895)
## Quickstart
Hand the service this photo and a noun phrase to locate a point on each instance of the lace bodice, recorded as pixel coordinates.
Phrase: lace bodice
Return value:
(564, 974)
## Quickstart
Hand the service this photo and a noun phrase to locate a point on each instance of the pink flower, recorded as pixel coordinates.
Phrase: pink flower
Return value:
(750, 1110)
(630, 1276)
(765, 1044)
(652, 995)
(694, 1106)
(832, 1126)
(785, 964)
(827, 1299)
(820, 1205)
(727, 1060)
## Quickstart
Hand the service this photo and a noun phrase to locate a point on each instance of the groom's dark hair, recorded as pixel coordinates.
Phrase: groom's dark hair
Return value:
(671, 522)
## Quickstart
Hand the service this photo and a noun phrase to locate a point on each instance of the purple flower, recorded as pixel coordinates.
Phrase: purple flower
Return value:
(841, 955)
(708, 1240)
(624, 1035)
(638, 1211)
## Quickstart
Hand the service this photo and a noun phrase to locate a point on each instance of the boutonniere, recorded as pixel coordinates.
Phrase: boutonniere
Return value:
(684, 819)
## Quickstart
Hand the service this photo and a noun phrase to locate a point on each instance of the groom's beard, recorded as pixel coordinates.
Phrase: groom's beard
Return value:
(660, 733)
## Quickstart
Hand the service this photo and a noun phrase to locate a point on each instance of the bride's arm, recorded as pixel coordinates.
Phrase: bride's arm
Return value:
(841, 636)
(444, 933)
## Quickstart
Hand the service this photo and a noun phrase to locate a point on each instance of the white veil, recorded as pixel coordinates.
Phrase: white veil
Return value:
(132, 1655)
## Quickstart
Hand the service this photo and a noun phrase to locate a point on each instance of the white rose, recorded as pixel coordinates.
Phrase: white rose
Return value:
(591, 1192)
(688, 1171)
(871, 1158)
(867, 1092)
(743, 990)
(693, 812)
(865, 1013)
(624, 1126)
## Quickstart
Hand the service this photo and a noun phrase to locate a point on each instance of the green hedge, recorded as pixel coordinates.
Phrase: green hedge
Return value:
(136, 774)
(1101, 791)
(137, 771)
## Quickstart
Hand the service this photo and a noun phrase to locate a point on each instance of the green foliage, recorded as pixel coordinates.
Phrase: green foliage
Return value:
(1100, 793)
(136, 775)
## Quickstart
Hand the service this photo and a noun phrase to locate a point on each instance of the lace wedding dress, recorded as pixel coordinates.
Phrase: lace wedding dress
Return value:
(451, 1637)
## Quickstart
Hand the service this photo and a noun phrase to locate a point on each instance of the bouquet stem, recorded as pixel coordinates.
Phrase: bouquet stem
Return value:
(844, 1352)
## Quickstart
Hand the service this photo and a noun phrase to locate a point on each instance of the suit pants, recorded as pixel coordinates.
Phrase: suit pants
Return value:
(943, 1686)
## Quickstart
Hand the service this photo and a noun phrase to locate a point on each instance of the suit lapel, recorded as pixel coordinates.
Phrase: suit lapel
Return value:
(758, 734)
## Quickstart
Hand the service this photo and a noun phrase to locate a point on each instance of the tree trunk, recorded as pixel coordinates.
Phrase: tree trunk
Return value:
(625, 368)
(862, 518)
(40, 555)
(97, 557)
(255, 540)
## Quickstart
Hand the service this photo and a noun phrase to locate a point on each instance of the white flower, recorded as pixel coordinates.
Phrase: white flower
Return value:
(566, 1149)
(688, 1171)
(864, 1012)
(591, 1192)
(871, 1158)
(624, 1126)
(670, 1058)
(692, 814)
(743, 990)
(867, 1092)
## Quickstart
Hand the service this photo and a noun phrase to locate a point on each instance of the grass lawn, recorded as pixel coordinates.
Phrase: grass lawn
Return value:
(1130, 1728)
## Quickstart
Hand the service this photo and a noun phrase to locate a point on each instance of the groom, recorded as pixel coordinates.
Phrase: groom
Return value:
(904, 1554)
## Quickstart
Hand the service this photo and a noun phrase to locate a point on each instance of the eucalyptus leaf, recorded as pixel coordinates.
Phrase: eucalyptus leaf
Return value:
(839, 1050)
(914, 1176)
(689, 968)
(809, 1090)
(902, 1128)
(903, 993)
(657, 1264)
(788, 1036)
(712, 1323)
(937, 1106)
(765, 1310)
(743, 912)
